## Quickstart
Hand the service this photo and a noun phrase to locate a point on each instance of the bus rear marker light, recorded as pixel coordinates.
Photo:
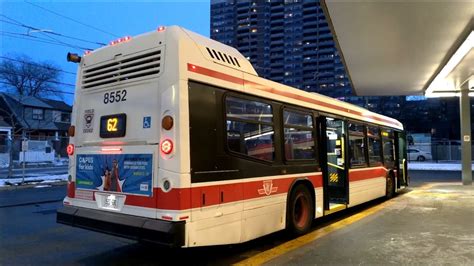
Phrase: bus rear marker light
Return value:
(166, 185)
(167, 122)
(161, 28)
(123, 39)
(165, 217)
(71, 131)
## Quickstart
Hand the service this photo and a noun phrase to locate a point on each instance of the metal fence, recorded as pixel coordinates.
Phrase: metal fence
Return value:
(439, 151)
(38, 149)
(51, 149)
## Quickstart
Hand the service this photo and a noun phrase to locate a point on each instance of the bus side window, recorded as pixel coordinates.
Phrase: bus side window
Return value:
(388, 146)
(356, 144)
(299, 136)
(373, 140)
(250, 128)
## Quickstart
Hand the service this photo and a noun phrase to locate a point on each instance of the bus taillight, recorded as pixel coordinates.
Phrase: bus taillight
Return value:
(70, 149)
(166, 146)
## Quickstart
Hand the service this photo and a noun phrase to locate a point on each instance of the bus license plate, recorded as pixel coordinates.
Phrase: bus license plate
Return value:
(110, 202)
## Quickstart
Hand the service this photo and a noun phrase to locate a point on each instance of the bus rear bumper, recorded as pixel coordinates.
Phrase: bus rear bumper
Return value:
(133, 227)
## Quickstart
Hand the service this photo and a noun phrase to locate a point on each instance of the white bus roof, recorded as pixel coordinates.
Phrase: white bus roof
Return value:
(208, 61)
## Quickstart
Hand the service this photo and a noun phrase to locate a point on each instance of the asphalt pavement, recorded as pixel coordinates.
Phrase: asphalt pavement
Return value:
(19, 196)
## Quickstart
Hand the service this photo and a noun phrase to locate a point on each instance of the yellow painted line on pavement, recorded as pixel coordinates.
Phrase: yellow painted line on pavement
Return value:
(279, 250)
(310, 237)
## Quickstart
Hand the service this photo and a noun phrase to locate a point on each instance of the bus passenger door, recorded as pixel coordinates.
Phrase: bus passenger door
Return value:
(401, 152)
(336, 183)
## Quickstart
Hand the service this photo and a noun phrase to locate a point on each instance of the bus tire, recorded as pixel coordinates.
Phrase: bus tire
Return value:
(300, 211)
(390, 188)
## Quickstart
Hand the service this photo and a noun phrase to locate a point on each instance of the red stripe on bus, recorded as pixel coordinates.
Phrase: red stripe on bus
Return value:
(215, 74)
(254, 85)
(367, 174)
(71, 189)
(198, 197)
(205, 196)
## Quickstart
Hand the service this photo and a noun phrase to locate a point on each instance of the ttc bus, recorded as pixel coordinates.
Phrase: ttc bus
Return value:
(176, 140)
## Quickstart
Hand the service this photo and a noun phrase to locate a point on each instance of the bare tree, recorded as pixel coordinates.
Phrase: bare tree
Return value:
(28, 78)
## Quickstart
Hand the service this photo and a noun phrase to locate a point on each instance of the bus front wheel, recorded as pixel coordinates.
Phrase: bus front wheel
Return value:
(300, 211)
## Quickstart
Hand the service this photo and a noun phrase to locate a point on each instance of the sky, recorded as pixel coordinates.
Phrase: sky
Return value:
(109, 20)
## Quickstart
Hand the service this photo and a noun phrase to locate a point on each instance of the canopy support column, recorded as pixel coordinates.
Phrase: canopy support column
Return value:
(465, 113)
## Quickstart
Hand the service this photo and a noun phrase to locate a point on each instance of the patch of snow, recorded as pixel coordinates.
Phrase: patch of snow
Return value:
(61, 161)
(42, 186)
(435, 166)
(34, 179)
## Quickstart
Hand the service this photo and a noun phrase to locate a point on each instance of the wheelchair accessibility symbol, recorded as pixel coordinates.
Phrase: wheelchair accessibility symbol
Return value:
(147, 122)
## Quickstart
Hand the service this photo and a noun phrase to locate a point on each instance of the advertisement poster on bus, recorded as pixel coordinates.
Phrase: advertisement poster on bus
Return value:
(127, 173)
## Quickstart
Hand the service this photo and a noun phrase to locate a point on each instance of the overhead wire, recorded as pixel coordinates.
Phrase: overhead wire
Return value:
(54, 82)
(54, 33)
(38, 65)
(39, 39)
(71, 19)
(47, 33)
(50, 90)
(43, 40)
(75, 38)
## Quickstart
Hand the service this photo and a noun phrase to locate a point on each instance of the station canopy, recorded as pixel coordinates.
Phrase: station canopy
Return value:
(405, 47)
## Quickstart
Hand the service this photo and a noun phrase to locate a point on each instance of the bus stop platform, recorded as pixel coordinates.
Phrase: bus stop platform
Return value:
(428, 223)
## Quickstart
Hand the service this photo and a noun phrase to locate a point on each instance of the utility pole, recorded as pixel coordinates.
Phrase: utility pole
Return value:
(24, 147)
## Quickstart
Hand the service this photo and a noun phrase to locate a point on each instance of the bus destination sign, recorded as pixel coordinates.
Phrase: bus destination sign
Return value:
(113, 126)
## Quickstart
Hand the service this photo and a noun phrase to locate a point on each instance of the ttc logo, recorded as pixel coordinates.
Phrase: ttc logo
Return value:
(267, 188)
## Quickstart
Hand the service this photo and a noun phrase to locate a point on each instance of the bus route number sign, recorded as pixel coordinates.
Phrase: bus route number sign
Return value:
(113, 126)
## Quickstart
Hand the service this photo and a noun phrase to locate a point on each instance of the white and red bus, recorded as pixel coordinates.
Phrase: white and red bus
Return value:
(176, 140)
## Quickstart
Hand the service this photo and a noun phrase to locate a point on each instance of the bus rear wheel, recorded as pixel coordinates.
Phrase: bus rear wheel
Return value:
(300, 211)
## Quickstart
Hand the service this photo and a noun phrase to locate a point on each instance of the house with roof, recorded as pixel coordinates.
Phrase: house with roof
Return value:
(37, 119)
(5, 135)
(36, 116)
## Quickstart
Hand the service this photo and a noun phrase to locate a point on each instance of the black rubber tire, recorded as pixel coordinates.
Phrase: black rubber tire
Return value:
(300, 211)
(390, 188)
(421, 158)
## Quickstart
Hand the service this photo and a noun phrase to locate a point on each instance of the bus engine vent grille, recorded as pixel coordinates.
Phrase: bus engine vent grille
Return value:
(123, 70)
(222, 57)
